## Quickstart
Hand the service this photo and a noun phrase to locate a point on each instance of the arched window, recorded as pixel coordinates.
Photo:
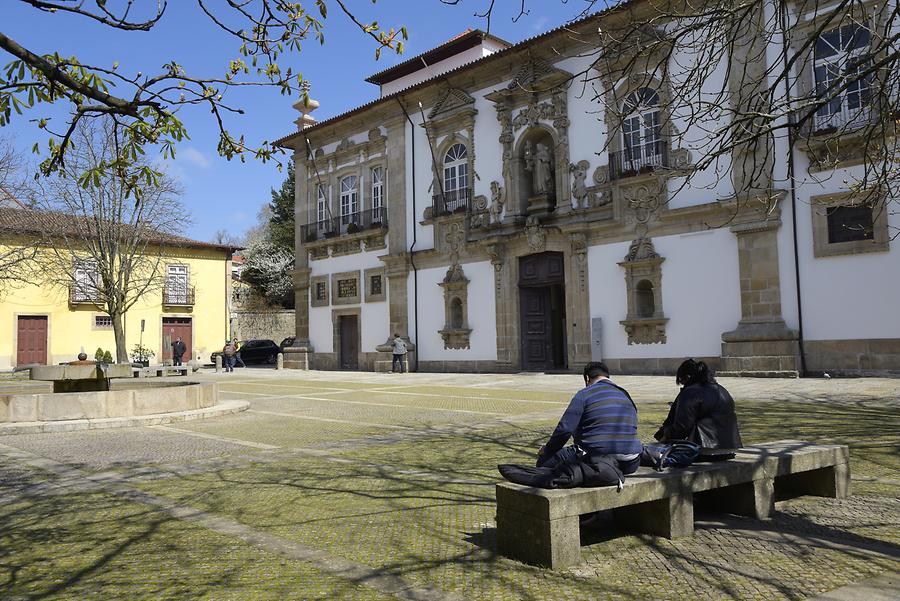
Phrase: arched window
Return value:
(349, 199)
(456, 314)
(643, 297)
(377, 193)
(842, 54)
(641, 131)
(456, 177)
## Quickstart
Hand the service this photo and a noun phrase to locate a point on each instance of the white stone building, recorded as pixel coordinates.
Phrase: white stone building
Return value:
(478, 208)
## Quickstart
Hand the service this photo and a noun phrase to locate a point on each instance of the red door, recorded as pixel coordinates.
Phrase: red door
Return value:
(32, 340)
(173, 327)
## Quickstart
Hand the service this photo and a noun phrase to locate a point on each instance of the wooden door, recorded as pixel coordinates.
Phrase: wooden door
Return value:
(173, 327)
(31, 345)
(349, 342)
(536, 328)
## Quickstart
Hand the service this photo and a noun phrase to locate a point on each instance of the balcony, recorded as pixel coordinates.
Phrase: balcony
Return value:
(645, 158)
(844, 119)
(353, 223)
(178, 296)
(79, 295)
(452, 201)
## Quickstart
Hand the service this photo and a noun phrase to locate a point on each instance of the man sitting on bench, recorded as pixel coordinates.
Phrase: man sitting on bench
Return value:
(602, 420)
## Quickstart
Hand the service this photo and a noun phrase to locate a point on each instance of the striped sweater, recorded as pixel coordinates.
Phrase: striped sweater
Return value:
(602, 419)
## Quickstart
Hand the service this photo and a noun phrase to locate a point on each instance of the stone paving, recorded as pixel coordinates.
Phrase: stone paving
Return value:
(380, 486)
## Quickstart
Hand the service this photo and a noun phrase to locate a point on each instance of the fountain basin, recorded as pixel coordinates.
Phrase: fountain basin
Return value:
(130, 399)
(86, 377)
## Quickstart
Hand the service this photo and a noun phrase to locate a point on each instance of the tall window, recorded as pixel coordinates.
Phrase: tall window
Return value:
(841, 56)
(85, 281)
(377, 193)
(349, 199)
(176, 290)
(321, 205)
(456, 177)
(641, 131)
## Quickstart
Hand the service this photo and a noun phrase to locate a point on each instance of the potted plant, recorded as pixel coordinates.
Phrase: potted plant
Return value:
(141, 354)
(352, 228)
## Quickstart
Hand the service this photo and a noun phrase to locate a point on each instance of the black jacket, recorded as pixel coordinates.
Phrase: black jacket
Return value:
(178, 348)
(703, 414)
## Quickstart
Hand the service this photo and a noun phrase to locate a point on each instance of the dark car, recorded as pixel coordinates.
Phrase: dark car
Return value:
(289, 341)
(255, 351)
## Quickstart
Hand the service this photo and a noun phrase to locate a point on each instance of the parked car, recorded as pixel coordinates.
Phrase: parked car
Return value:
(289, 341)
(255, 351)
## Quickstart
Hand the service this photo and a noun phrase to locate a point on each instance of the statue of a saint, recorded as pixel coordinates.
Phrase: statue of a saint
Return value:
(497, 200)
(539, 161)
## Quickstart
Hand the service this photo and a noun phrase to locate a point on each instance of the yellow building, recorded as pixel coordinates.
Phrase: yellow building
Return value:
(48, 324)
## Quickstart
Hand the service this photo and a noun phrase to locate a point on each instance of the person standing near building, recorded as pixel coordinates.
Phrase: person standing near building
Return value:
(237, 354)
(399, 350)
(228, 352)
(178, 351)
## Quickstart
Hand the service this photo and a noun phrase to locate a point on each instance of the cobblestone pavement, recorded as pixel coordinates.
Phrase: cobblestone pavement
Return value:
(380, 486)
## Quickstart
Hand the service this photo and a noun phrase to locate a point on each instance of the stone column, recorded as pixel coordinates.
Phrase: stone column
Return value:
(298, 355)
(578, 307)
(396, 271)
(505, 306)
(762, 344)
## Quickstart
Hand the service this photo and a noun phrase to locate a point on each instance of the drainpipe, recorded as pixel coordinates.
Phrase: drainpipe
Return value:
(412, 260)
(790, 165)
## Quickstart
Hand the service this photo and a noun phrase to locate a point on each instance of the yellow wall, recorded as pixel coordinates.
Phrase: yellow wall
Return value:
(71, 329)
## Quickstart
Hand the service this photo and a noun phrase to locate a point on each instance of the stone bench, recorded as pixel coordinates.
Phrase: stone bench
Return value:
(541, 526)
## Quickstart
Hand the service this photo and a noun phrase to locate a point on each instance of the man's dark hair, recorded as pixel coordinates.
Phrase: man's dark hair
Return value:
(693, 372)
(594, 369)
(396, 335)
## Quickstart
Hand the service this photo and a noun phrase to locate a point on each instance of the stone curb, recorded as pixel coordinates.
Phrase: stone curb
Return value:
(156, 419)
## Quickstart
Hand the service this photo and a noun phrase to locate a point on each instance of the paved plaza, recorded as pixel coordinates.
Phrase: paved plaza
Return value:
(381, 486)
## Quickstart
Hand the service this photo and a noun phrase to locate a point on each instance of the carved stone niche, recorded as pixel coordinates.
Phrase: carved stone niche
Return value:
(645, 322)
(456, 309)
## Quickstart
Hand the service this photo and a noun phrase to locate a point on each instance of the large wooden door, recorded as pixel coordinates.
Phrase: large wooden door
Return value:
(542, 311)
(173, 327)
(536, 328)
(31, 345)
(349, 325)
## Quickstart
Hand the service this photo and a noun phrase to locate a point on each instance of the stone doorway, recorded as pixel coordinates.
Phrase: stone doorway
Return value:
(542, 312)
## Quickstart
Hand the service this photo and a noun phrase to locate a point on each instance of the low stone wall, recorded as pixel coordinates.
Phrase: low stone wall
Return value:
(137, 399)
(863, 357)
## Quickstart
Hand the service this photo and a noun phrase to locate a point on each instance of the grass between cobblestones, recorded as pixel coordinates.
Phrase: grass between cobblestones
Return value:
(423, 507)
(96, 546)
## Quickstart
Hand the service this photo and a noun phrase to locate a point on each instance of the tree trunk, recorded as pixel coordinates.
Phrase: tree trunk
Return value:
(119, 333)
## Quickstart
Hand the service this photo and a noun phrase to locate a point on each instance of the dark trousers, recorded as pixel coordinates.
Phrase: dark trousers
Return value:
(570, 454)
(176, 359)
(397, 359)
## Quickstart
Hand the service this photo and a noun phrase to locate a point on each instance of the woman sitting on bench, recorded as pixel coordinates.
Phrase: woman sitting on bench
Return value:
(702, 414)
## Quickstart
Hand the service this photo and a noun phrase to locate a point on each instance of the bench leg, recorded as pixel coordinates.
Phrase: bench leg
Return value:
(552, 544)
(830, 481)
(672, 517)
(754, 499)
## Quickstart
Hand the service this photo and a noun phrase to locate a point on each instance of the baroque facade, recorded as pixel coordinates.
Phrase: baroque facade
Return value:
(489, 210)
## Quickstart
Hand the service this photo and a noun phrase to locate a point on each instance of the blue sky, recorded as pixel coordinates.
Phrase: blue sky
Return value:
(227, 195)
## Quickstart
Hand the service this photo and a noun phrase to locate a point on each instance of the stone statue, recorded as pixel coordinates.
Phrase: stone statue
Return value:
(497, 201)
(539, 161)
(580, 193)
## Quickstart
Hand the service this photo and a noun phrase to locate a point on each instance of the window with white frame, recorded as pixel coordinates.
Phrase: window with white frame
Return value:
(177, 286)
(641, 131)
(349, 199)
(456, 177)
(840, 61)
(103, 322)
(377, 193)
(85, 281)
(321, 205)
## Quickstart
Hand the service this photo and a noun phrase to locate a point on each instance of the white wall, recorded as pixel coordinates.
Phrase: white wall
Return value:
(481, 309)
(374, 317)
(448, 64)
(700, 294)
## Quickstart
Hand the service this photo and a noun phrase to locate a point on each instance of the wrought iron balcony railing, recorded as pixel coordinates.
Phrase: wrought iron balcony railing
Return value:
(178, 296)
(79, 295)
(643, 158)
(452, 201)
(345, 224)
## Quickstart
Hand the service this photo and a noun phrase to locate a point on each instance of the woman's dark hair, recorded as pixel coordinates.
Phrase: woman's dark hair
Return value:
(693, 372)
